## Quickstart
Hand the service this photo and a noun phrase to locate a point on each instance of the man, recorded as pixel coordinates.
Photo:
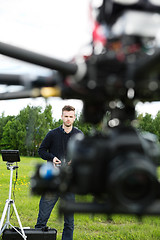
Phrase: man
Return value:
(54, 148)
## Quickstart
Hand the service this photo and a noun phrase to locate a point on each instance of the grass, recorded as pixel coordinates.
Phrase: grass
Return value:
(87, 227)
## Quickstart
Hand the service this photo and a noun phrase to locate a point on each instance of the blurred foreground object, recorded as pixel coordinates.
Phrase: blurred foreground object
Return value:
(119, 165)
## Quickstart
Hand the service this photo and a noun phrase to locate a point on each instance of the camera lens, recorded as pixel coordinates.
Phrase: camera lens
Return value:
(132, 181)
(136, 186)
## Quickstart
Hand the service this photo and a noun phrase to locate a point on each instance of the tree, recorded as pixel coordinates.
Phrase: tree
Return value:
(10, 138)
(156, 125)
(36, 125)
(146, 123)
(84, 127)
(3, 122)
(27, 130)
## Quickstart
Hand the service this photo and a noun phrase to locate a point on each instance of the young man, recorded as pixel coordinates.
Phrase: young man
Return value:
(54, 148)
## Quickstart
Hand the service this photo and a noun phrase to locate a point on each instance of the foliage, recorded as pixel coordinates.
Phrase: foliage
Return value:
(27, 130)
(150, 124)
(84, 127)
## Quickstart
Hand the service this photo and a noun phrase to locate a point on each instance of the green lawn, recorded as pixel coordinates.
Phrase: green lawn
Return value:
(86, 225)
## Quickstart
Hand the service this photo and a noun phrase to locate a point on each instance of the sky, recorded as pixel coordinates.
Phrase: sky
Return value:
(59, 29)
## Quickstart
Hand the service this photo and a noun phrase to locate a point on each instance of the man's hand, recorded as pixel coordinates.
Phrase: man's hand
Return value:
(69, 163)
(56, 161)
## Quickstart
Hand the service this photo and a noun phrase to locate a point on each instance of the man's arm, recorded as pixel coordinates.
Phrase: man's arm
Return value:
(44, 148)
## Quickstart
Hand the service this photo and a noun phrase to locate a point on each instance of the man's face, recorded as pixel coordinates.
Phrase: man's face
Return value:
(68, 118)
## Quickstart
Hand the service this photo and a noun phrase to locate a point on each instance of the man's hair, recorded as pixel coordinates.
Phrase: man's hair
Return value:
(68, 108)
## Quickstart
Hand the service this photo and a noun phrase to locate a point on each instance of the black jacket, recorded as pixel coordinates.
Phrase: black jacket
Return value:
(55, 144)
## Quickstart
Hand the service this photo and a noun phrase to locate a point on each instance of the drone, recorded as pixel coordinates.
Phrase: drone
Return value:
(122, 69)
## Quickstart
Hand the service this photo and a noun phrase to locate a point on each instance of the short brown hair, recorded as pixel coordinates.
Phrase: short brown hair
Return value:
(68, 108)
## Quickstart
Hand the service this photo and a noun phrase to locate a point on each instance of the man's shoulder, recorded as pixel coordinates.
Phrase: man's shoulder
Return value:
(77, 130)
(54, 131)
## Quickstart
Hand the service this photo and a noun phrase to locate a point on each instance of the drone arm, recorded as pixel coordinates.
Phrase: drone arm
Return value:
(38, 59)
